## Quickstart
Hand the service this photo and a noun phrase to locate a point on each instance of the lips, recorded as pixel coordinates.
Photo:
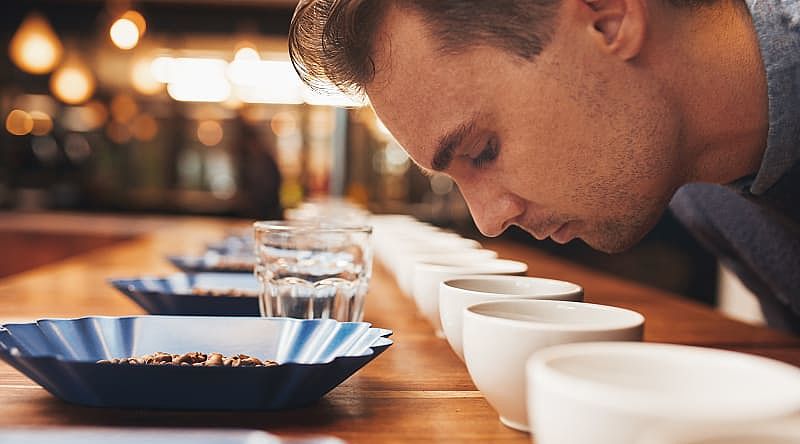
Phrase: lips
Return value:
(560, 232)
(541, 234)
(563, 234)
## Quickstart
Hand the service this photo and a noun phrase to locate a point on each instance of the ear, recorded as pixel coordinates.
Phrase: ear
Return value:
(618, 26)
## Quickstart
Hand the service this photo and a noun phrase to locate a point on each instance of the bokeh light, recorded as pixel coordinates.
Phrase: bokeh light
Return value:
(72, 83)
(143, 80)
(209, 132)
(35, 47)
(42, 123)
(246, 52)
(159, 68)
(137, 19)
(123, 108)
(145, 127)
(124, 33)
(19, 123)
(284, 124)
(85, 118)
(194, 79)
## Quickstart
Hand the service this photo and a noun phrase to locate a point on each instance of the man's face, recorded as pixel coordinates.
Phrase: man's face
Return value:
(575, 143)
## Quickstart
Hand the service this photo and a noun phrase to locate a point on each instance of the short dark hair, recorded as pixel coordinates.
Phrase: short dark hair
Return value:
(331, 41)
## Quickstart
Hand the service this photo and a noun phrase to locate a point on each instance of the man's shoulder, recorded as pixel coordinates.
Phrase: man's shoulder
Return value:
(791, 13)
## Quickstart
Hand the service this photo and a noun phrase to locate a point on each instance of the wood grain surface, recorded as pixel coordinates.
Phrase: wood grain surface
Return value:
(418, 390)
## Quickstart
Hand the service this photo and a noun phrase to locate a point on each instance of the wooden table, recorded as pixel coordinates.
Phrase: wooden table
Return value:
(417, 390)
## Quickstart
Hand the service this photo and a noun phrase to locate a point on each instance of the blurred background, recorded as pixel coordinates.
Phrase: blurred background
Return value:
(191, 107)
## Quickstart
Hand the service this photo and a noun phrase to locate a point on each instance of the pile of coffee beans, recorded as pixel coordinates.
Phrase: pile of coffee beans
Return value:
(234, 264)
(233, 292)
(193, 359)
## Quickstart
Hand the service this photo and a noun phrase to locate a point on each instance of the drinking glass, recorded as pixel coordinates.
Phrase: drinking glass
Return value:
(313, 270)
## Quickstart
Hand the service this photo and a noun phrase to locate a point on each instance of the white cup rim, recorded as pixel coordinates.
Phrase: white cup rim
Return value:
(459, 285)
(623, 317)
(638, 399)
(480, 253)
(511, 266)
(769, 429)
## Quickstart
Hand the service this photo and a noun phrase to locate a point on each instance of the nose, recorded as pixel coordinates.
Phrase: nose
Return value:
(492, 207)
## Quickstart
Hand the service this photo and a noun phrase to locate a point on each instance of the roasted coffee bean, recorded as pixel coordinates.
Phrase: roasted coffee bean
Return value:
(192, 359)
(214, 360)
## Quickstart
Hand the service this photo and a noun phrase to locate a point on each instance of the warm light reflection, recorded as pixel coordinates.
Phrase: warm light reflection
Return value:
(72, 83)
(246, 79)
(245, 72)
(143, 80)
(265, 81)
(35, 48)
(329, 99)
(84, 118)
(123, 108)
(145, 127)
(382, 130)
(124, 33)
(159, 68)
(233, 103)
(209, 132)
(42, 123)
(283, 124)
(197, 80)
(19, 123)
(118, 132)
(246, 53)
(137, 19)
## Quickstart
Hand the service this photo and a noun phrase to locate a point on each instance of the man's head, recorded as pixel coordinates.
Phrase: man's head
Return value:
(549, 114)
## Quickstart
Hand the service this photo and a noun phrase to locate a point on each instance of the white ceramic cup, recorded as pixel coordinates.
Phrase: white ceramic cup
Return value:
(500, 336)
(398, 248)
(777, 431)
(407, 264)
(617, 391)
(428, 276)
(459, 293)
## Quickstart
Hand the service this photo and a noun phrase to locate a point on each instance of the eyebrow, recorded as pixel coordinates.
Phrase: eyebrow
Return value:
(449, 143)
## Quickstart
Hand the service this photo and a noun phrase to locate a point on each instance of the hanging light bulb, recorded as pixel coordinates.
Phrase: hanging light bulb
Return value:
(72, 82)
(126, 31)
(35, 47)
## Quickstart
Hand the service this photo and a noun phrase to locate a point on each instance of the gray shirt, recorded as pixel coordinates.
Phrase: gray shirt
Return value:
(753, 225)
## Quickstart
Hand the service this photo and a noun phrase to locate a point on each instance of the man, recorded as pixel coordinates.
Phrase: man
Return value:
(585, 118)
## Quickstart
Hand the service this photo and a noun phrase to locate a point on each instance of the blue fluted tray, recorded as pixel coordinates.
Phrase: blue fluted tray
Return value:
(118, 435)
(315, 356)
(211, 262)
(233, 245)
(172, 295)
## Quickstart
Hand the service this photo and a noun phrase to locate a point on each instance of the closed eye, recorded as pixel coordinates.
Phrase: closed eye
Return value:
(487, 155)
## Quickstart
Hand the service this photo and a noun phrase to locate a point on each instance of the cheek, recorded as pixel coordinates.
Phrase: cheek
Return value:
(549, 150)
(593, 153)
(632, 164)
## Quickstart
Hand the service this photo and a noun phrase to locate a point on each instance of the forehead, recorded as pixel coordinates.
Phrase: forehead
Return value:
(418, 91)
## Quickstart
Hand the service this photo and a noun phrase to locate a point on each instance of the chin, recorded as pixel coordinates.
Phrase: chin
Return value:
(614, 241)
